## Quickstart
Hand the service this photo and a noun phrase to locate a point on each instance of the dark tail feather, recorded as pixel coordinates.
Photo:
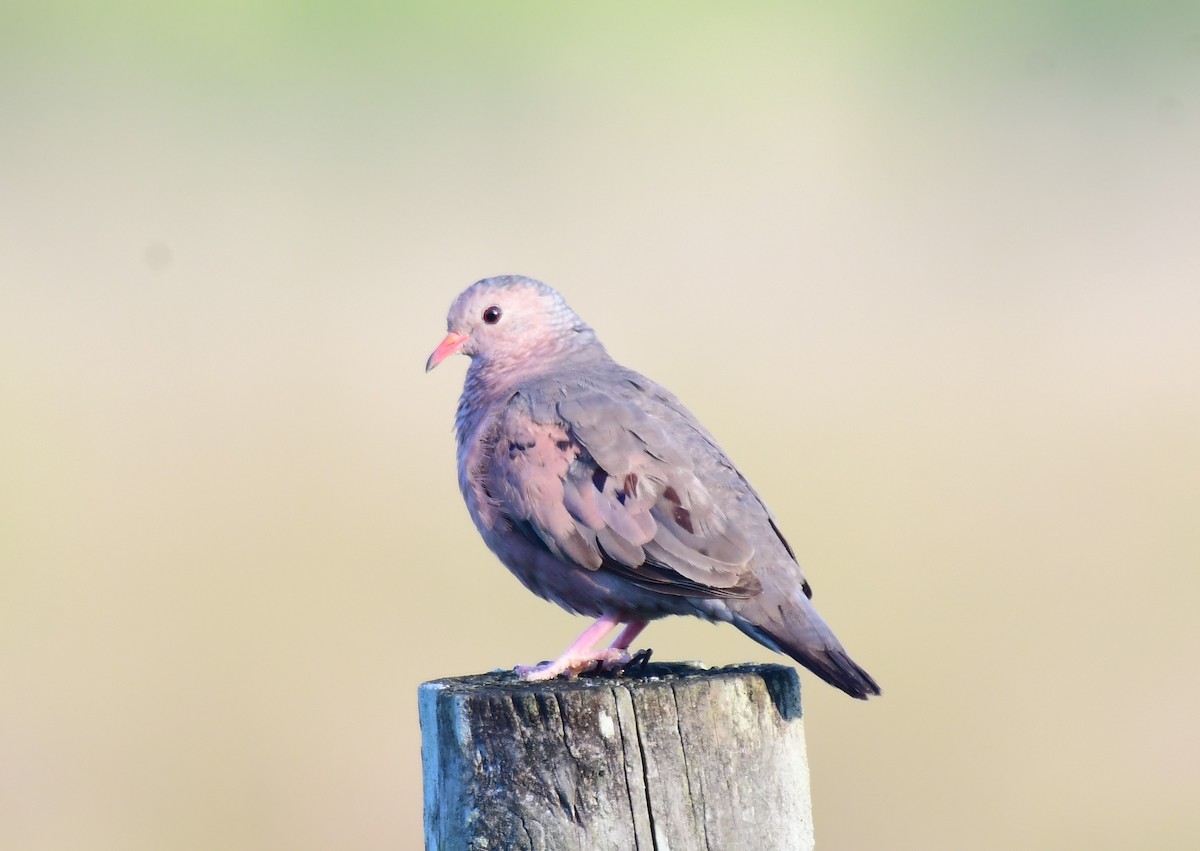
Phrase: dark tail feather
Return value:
(826, 658)
(835, 667)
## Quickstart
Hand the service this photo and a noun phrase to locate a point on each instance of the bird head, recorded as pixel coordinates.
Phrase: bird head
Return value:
(511, 320)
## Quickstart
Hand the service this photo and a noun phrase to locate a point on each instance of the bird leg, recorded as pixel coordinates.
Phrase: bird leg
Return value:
(626, 636)
(583, 653)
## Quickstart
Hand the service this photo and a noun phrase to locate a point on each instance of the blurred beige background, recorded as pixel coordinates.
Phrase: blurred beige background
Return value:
(932, 277)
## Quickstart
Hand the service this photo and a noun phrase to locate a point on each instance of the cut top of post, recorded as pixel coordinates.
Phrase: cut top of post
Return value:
(670, 756)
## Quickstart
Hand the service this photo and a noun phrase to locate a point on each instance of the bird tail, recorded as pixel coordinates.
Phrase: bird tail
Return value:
(813, 644)
(835, 667)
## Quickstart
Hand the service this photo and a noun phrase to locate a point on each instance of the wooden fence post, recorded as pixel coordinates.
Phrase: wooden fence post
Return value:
(672, 757)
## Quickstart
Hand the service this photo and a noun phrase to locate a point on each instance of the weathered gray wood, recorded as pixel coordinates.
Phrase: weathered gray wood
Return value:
(672, 757)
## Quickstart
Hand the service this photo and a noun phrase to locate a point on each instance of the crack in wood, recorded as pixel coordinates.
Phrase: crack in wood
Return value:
(687, 772)
(637, 728)
(625, 768)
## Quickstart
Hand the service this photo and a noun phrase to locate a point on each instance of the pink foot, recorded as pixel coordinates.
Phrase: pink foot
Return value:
(607, 659)
(583, 654)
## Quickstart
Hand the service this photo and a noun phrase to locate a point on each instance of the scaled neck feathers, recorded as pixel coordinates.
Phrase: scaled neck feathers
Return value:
(493, 380)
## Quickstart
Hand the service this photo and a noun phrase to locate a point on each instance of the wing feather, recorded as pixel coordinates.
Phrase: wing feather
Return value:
(603, 486)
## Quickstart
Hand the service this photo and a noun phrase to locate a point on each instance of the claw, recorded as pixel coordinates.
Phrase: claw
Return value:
(640, 659)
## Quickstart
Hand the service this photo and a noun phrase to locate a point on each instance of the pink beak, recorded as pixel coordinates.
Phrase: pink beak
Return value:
(449, 346)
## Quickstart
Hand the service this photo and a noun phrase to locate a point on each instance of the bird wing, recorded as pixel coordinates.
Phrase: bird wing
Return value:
(595, 479)
(643, 385)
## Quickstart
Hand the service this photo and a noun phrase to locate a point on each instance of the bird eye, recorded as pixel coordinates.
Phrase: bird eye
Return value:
(491, 315)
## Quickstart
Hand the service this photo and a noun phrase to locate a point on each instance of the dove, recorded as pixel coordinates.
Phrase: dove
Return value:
(602, 493)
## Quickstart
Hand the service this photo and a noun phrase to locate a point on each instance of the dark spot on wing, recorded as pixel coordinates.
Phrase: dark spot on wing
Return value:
(684, 518)
(672, 496)
(515, 446)
(599, 478)
(631, 484)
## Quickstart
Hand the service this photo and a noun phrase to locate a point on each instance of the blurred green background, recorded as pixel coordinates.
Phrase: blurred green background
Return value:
(930, 273)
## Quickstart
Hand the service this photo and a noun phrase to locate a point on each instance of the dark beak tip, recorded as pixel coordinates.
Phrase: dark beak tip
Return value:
(452, 345)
